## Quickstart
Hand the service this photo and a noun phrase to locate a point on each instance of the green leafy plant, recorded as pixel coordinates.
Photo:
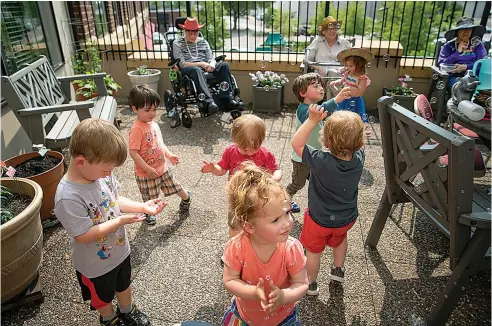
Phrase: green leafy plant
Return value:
(402, 89)
(88, 61)
(5, 197)
(142, 70)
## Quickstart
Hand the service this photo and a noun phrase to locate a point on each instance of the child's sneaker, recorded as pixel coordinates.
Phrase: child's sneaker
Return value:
(135, 318)
(184, 206)
(116, 321)
(313, 288)
(294, 208)
(150, 219)
(337, 274)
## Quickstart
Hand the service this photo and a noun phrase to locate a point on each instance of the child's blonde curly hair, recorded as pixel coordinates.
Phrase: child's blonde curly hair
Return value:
(343, 133)
(249, 190)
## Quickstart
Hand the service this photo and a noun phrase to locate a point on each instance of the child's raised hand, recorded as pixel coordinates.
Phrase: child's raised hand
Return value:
(207, 167)
(317, 112)
(154, 206)
(343, 95)
(260, 294)
(276, 298)
(131, 218)
(173, 159)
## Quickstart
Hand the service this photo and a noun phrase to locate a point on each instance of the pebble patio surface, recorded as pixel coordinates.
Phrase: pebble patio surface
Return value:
(176, 269)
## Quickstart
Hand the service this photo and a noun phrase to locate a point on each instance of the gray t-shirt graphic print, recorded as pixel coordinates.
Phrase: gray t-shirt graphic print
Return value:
(79, 207)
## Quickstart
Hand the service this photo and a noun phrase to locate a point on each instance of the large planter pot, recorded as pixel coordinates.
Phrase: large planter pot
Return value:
(22, 240)
(402, 100)
(152, 79)
(269, 100)
(47, 180)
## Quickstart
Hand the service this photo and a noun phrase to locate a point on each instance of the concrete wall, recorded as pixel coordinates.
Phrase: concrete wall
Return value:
(14, 140)
(381, 77)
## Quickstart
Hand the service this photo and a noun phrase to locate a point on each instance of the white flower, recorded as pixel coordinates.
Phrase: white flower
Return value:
(282, 76)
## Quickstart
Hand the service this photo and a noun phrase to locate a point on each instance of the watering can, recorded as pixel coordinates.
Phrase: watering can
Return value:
(483, 70)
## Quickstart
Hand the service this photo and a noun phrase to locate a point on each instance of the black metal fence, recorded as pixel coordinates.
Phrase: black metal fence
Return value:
(274, 27)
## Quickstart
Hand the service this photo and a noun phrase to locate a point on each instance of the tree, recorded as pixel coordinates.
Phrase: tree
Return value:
(237, 9)
(356, 23)
(286, 25)
(417, 36)
(216, 30)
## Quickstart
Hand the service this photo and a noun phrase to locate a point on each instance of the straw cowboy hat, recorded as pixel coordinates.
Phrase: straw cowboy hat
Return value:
(191, 24)
(465, 23)
(355, 52)
(326, 23)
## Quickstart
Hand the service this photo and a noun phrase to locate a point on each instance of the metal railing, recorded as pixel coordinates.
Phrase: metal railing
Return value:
(268, 27)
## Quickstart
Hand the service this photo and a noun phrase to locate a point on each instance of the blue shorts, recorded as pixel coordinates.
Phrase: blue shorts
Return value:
(232, 317)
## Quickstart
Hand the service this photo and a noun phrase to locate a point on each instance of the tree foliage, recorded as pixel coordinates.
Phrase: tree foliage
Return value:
(216, 29)
(238, 9)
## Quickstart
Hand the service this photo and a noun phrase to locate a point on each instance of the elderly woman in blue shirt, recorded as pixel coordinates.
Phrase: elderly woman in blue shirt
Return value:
(463, 48)
(325, 48)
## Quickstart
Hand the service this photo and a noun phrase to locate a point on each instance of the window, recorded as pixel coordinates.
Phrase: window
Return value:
(25, 36)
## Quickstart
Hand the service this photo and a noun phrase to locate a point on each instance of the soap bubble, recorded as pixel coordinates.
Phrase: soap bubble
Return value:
(293, 63)
(458, 79)
(339, 26)
(427, 115)
(368, 65)
(262, 64)
(433, 100)
(386, 57)
(210, 28)
(440, 85)
(237, 98)
(224, 86)
(273, 16)
(266, 88)
(201, 96)
(352, 103)
(371, 119)
(332, 217)
(364, 117)
(475, 41)
(488, 103)
(435, 76)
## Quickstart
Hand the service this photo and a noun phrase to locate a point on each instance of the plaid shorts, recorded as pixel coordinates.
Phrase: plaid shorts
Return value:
(150, 188)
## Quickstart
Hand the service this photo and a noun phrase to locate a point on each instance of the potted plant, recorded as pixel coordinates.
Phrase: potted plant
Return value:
(87, 61)
(144, 75)
(46, 170)
(402, 94)
(21, 234)
(268, 91)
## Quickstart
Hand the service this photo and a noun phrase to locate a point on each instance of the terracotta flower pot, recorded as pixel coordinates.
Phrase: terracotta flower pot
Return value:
(22, 240)
(47, 180)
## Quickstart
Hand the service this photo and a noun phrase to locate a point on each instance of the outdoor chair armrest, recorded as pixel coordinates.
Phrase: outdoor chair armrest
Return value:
(75, 77)
(56, 108)
(428, 147)
(438, 71)
(479, 220)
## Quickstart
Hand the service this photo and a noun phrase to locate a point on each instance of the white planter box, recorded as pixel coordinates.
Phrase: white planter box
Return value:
(151, 79)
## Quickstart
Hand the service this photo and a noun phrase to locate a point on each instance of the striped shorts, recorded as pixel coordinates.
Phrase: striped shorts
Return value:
(150, 188)
(232, 318)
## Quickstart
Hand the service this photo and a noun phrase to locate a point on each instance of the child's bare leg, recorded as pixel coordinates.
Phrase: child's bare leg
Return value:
(106, 311)
(183, 194)
(339, 254)
(312, 265)
(125, 297)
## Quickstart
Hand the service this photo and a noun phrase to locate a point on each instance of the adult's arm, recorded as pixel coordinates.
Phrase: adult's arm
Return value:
(448, 54)
(480, 53)
(210, 54)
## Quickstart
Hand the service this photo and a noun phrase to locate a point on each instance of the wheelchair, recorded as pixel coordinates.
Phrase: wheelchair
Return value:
(185, 93)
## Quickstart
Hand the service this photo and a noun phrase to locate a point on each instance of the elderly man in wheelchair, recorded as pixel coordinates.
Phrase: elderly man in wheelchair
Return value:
(197, 77)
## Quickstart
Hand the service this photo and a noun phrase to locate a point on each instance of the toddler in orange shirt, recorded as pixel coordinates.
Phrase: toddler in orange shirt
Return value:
(264, 268)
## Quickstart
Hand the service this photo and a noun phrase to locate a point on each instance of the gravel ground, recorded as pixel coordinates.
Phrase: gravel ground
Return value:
(176, 270)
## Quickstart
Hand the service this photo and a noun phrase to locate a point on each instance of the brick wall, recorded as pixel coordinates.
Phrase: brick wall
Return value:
(83, 16)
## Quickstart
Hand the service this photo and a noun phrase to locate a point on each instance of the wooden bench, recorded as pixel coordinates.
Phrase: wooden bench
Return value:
(446, 195)
(41, 102)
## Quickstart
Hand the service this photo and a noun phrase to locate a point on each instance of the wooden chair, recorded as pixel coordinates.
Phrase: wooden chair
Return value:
(38, 98)
(446, 195)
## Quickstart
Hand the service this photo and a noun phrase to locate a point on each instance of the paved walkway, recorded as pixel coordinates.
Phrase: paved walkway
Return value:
(177, 275)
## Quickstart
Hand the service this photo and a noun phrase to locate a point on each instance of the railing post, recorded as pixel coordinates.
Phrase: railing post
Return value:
(188, 8)
(486, 13)
(327, 8)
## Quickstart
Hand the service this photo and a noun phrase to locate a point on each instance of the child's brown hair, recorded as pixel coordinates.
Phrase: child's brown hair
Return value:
(249, 190)
(142, 96)
(359, 62)
(248, 131)
(302, 82)
(343, 133)
(98, 140)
